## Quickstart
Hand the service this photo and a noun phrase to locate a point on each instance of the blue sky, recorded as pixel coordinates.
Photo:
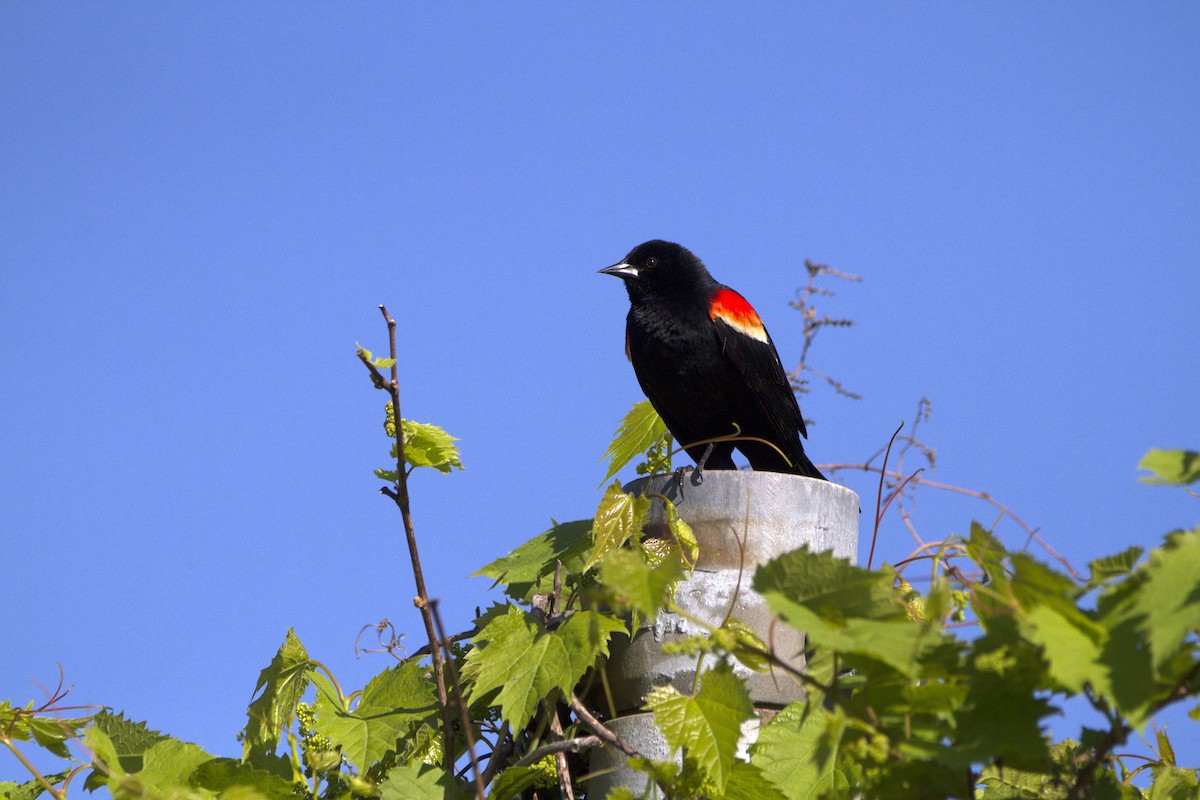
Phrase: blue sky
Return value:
(203, 204)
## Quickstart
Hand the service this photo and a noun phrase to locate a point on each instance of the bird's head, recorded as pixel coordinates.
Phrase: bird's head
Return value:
(660, 268)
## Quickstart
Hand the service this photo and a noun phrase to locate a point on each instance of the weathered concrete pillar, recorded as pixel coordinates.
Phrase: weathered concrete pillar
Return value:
(741, 520)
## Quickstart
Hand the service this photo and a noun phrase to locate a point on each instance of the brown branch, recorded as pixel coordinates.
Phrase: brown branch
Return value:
(984, 496)
(879, 495)
(596, 725)
(500, 753)
(460, 702)
(565, 788)
(424, 650)
(399, 496)
(565, 746)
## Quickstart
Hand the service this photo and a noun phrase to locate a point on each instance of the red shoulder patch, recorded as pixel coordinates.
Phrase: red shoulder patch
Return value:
(732, 309)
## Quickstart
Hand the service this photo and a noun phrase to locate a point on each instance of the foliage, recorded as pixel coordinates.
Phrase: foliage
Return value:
(1179, 467)
(898, 703)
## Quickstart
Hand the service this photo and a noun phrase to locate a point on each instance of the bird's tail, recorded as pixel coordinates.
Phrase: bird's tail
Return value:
(802, 466)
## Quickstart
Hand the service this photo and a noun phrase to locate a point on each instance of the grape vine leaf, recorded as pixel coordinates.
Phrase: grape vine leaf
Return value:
(282, 683)
(747, 782)
(707, 725)
(124, 742)
(395, 701)
(224, 774)
(618, 517)
(525, 662)
(1169, 597)
(1175, 467)
(428, 445)
(638, 431)
(633, 584)
(845, 608)
(795, 753)
(530, 567)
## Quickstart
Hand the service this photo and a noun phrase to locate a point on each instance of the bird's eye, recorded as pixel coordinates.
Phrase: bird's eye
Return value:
(651, 262)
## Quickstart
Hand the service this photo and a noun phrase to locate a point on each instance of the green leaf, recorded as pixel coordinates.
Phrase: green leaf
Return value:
(1176, 467)
(635, 585)
(1073, 656)
(428, 445)
(124, 742)
(708, 725)
(689, 547)
(514, 780)
(515, 655)
(163, 765)
(618, 517)
(1169, 599)
(847, 609)
(30, 790)
(282, 684)
(169, 764)
(381, 363)
(830, 588)
(52, 733)
(745, 645)
(620, 793)
(530, 567)
(1001, 715)
(416, 782)
(394, 702)
(1048, 615)
(222, 774)
(747, 782)
(795, 752)
(104, 752)
(1173, 783)
(1106, 569)
(637, 433)
(1005, 783)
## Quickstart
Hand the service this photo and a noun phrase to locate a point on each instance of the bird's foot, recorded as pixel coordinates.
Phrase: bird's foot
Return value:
(677, 479)
(698, 478)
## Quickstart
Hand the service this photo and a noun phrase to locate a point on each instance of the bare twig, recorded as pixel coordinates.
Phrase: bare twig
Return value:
(565, 788)
(424, 650)
(1030, 531)
(399, 495)
(565, 746)
(813, 325)
(596, 725)
(460, 702)
(879, 495)
(500, 753)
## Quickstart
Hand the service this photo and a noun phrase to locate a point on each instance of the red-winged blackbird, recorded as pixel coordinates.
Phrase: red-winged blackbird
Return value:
(707, 364)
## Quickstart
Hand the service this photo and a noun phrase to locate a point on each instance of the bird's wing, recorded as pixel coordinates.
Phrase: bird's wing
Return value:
(746, 343)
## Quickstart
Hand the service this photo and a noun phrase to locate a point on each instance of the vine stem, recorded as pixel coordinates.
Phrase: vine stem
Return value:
(59, 795)
(596, 725)
(460, 702)
(1004, 510)
(400, 496)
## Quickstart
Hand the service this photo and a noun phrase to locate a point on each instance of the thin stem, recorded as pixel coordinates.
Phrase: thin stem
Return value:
(460, 703)
(565, 788)
(32, 769)
(500, 753)
(879, 495)
(984, 496)
(596, 725)
(565, 746)
(400, 497)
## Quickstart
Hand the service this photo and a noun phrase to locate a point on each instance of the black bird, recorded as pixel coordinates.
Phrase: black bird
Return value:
(707, 364)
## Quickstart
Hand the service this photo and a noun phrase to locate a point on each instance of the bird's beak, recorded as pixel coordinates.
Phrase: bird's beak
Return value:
(622, 270)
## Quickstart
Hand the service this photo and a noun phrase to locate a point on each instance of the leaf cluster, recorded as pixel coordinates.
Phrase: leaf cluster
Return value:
(899, 703)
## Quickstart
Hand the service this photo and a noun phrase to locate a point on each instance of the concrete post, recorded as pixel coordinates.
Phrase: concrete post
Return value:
(741, 520)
